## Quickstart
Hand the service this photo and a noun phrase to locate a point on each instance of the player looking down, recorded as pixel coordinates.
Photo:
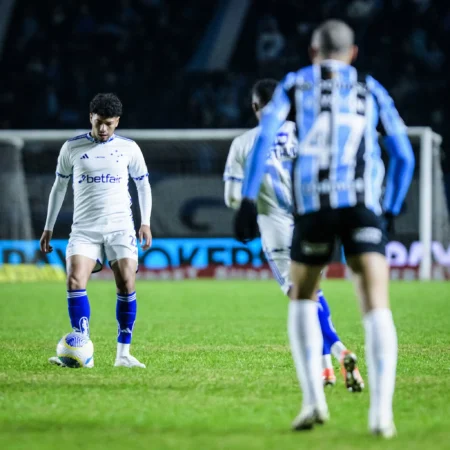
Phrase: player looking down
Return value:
(276, 223)
(336, 188)
(99, 164)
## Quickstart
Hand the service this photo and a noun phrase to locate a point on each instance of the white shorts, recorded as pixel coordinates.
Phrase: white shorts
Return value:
(276, 235)
(96, 245)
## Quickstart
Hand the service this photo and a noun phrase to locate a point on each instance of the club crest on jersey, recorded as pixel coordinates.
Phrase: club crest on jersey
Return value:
(117, 155)
(108, 178)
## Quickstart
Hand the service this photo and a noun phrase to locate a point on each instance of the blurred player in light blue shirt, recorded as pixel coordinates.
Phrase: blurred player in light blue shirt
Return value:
(275, 220)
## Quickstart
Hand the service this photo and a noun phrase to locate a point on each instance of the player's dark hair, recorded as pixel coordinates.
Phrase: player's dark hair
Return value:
(106, 105)
(264, 89)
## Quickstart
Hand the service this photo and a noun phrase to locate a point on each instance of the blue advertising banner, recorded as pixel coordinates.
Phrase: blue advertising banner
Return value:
(190, 258)
(164, 253)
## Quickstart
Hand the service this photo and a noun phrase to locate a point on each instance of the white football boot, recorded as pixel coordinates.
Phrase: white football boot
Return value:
(57, 362)
(383, 428)
(387, 431)
(310, 416)
(128, 361)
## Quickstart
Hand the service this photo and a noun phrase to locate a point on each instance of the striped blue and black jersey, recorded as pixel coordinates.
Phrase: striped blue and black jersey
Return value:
(339, 165)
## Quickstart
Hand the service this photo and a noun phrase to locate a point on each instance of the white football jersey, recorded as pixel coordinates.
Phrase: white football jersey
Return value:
(100, 180)
(275, 195)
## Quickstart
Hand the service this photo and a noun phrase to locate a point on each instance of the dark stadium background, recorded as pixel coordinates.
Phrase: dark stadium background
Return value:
(163, 59)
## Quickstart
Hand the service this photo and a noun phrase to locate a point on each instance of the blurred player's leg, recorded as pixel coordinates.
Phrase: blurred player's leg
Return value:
(276, 236)
(372, 277)
(330, 336)
(306, 342)
(332, 343)
(328, 375)
(125, 272)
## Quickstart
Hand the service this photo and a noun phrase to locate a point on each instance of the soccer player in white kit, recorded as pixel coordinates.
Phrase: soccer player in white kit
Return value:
(276, 222)
(99, 164)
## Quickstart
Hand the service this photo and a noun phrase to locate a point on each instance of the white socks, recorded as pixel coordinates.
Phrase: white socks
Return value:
(336, 350)
(123, 350)
(381, 356)
(326, 362)
(306, 342)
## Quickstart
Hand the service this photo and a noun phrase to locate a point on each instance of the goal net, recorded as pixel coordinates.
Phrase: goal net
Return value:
(186, 169)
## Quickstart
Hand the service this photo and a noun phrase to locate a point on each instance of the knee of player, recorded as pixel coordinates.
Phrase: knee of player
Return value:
(74, 281)
(126, 285)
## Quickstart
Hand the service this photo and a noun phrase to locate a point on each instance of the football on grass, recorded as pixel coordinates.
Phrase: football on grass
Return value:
(75, 350)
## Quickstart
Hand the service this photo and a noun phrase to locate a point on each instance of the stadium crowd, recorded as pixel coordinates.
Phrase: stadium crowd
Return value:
(57, 57)
(60, 55)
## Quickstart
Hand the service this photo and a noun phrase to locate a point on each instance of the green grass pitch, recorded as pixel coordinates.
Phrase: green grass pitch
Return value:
(219, 373)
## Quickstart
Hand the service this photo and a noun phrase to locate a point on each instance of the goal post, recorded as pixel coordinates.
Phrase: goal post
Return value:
(426, 219)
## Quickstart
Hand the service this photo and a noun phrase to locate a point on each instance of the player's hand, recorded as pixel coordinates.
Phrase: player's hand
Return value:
(245, 224)
(145, 237)
(45, 241)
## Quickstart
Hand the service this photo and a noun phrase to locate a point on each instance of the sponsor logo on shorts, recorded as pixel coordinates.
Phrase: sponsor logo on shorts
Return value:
(315, 248)
(367, 235)
(108, 178)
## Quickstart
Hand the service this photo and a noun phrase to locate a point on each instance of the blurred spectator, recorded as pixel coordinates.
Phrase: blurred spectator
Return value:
(28, 29)
(35, 66)
(269, 42)
(361, 9)
(54, 70)
(52, 103)
(85, 23)
(128, 15)
(59, 21)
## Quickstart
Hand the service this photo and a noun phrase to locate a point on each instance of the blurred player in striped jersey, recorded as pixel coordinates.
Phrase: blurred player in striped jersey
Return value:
(337, 181)
(276, 222)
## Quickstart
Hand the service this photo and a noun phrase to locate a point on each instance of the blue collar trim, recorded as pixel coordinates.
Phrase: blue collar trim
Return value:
(92, 139)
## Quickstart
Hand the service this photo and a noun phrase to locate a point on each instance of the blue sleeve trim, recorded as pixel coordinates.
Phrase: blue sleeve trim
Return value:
(227, 178)
(124, 138)
(140, 178)
(62, 176)
(274, 115)
(81, 136)
(400, 172)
